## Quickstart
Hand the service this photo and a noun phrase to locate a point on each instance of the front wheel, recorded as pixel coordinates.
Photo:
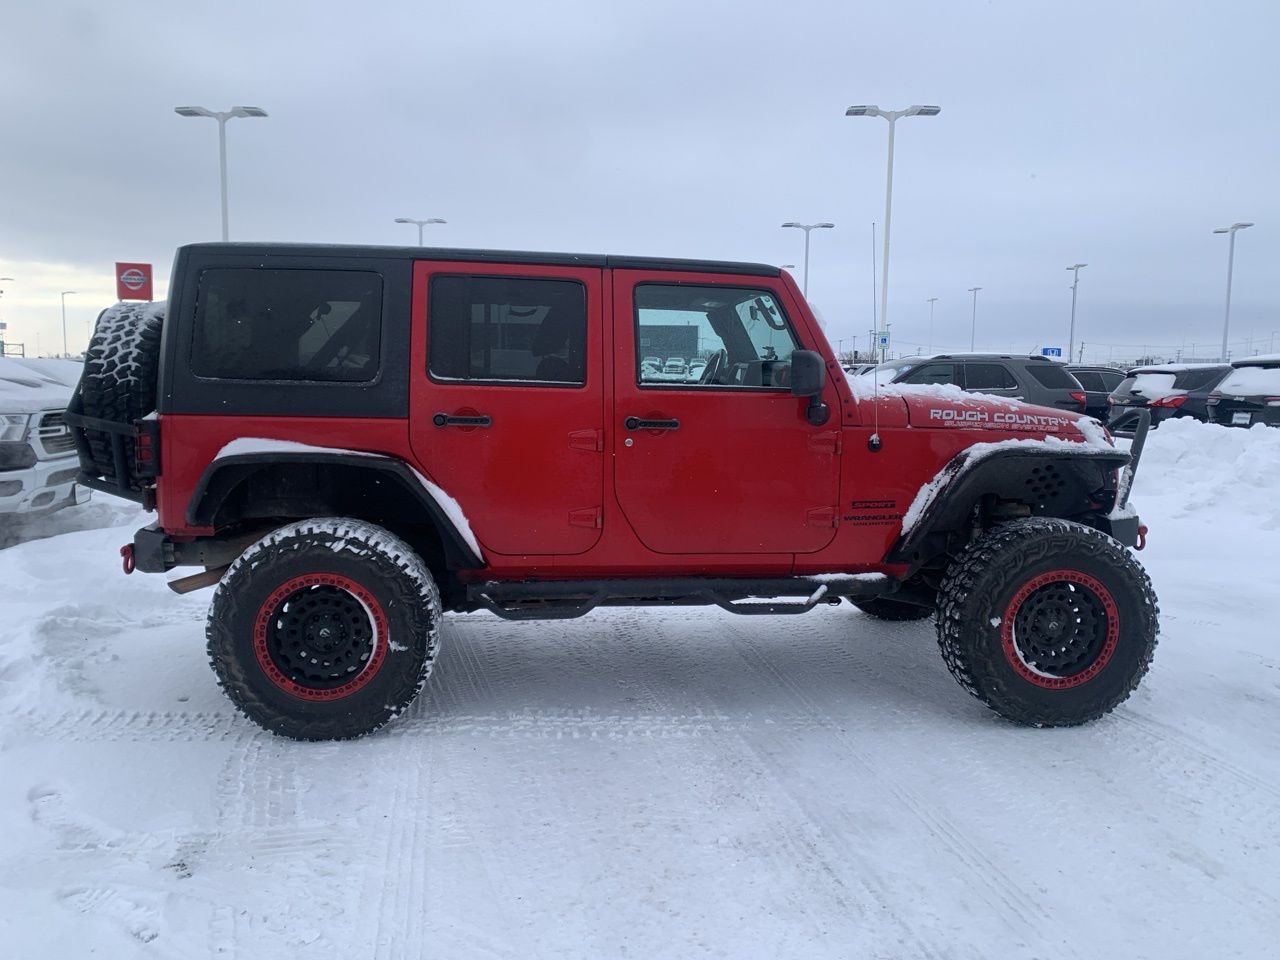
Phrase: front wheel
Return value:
(324, 629)
(1047, 622)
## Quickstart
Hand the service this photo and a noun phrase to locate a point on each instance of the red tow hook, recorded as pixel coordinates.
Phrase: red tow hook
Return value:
(126, 555)
(1142, 537)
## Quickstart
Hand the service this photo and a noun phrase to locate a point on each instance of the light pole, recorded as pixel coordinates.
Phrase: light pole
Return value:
(222, 116)
(1075, 282)
(973, 330)
(65, 294)
(931, 301)
(893, 116)
(1231, 255)
(420, 223)
(806, 227)
(2, 328)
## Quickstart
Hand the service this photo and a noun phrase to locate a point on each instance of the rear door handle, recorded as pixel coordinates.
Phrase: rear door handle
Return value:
(448, 420)
(635, 423)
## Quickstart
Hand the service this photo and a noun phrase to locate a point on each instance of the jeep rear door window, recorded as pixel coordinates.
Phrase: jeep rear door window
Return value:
(507, 328)
(310, 325)
(711, 336)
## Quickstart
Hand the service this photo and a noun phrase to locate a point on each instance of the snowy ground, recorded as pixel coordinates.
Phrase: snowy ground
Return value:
(646, 784)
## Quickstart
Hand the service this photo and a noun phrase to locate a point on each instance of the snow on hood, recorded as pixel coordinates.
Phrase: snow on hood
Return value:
(948, 406)
(30, 386)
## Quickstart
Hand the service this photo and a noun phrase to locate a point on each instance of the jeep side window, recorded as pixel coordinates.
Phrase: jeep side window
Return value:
(934, 373)
(482, 328)
(307, 325)
(711, 336)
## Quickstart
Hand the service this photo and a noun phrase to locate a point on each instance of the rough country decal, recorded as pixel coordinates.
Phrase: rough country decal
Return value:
(872, 513)
(1026, 421)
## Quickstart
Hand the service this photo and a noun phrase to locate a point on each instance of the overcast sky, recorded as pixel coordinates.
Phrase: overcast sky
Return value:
(1118, 134)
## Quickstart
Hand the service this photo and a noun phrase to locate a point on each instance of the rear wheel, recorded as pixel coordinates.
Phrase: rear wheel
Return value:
(324, 629)
(1047, 622)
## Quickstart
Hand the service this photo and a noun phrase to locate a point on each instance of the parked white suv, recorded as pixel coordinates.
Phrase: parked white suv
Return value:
(38, 462)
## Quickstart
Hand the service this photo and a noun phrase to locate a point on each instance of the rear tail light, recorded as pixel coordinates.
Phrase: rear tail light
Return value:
(1080, 398)
(1170, 403)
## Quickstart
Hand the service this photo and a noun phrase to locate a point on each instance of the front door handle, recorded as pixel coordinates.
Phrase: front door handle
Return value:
(449, 420)
(635, 423)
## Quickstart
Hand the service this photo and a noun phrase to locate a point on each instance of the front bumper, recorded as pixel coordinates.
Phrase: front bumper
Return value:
(46, 486)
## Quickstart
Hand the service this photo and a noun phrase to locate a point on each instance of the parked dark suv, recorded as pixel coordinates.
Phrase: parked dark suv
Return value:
(1098, 382)
(1167, 390)
(1248, 394)
(1037, 380)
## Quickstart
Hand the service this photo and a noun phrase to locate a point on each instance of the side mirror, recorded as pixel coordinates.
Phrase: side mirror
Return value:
(808, 376)
(808, 373)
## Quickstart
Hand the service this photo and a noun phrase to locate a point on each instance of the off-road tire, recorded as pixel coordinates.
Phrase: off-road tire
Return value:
(119, 379)
(1024, 576)
(261, 605)
(882, 608)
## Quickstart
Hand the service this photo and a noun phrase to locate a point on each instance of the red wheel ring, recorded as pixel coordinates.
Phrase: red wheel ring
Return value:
(1099, 602)
(271, 608)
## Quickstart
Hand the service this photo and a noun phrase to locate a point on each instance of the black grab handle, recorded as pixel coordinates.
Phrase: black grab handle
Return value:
(635, 423)
(448, 420)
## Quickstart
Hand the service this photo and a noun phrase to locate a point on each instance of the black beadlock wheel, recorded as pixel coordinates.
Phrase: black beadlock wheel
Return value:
(1047, 622)
(325, 629)
(119, 379)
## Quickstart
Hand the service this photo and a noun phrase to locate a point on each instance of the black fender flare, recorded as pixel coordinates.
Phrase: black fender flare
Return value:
(1053, 476)
(224, 474)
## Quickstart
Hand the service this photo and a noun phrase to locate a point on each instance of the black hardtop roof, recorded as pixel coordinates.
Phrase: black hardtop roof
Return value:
(266, 250)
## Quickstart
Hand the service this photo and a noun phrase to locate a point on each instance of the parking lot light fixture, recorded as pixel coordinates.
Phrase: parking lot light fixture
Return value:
(222, 116)
(973, 330)
(65, 294)
(1075, 282)
(420, 224)
(1231, 255)
(807, 227)
(893, 116)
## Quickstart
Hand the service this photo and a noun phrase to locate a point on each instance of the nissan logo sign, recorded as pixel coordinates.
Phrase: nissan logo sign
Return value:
(133, 278)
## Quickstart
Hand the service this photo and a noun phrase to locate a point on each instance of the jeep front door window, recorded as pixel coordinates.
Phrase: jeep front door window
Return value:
(711, 336)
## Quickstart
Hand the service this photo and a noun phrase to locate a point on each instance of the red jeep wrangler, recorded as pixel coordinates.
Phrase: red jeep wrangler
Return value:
(351, 440)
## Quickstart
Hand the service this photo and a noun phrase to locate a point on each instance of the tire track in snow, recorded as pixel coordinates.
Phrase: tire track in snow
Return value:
(1167, 737)
(1018, 911)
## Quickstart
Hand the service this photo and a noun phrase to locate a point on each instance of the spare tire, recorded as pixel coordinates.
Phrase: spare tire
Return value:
(119, 379)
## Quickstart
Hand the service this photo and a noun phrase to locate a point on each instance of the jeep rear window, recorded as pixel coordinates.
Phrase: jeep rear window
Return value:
(507, 328)
(311, 325)
(1053, 376)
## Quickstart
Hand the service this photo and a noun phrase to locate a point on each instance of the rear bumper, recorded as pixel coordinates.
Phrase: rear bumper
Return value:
(154, 551)
(46, 486)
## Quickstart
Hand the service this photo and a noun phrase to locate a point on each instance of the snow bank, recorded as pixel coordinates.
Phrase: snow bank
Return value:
(1225, 475)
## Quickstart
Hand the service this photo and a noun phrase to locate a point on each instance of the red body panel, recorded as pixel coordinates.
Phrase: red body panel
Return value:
(746, 486)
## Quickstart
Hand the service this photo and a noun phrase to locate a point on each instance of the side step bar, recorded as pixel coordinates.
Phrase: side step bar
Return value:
(565, 600)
